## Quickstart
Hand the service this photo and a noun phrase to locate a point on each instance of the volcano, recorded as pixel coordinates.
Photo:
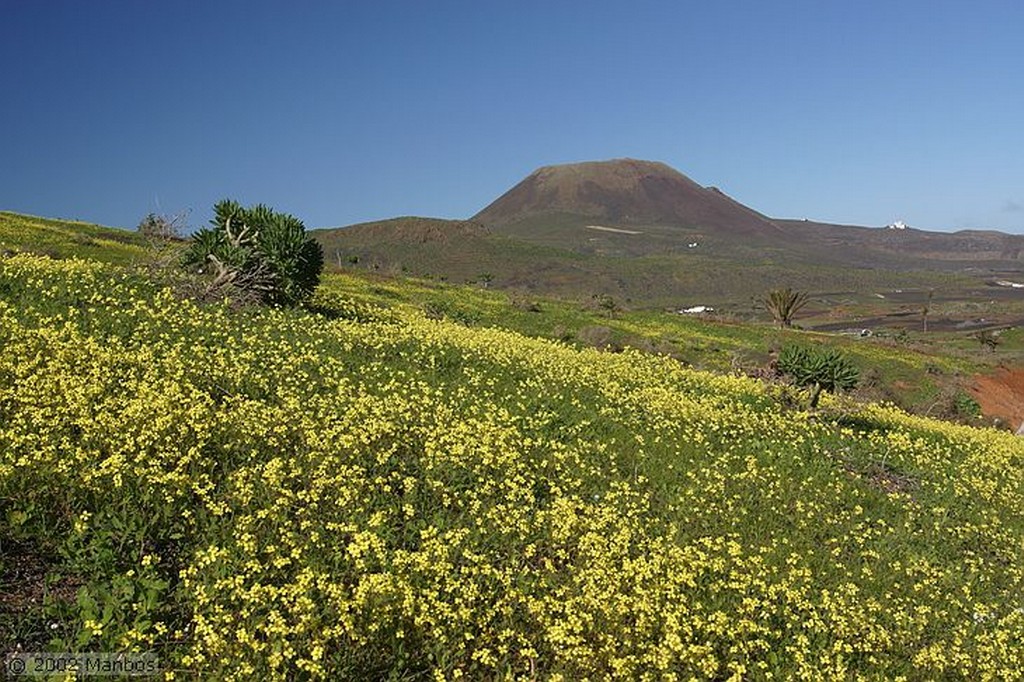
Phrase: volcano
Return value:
(623, 192)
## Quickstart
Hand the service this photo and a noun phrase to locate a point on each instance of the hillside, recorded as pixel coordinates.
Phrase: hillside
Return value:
(977, 248)
(559, 256)
(652, 238)
(61, 238)
(576, 266)
(623, 192)
(416, 230)
(669, 213)
(276, 494)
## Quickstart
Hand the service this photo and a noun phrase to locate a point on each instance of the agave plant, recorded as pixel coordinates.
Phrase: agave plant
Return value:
(258, 251)
(819, 370)
(295, 259)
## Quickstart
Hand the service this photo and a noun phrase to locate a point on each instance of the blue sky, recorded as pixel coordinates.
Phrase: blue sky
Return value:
(339, 112)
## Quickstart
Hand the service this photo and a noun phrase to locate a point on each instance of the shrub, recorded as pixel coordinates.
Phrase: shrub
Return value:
(443, 310)
(606, 303)
(818, 369)
(526, 305)
(162, 227)
(988, 339)
(965, 406)
(260, 252)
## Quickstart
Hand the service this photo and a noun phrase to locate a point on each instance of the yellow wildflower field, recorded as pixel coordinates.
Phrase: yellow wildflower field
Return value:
(283, 495)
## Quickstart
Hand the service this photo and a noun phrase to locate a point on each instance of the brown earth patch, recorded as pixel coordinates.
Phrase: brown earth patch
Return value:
(25, 583)
(1001, 394)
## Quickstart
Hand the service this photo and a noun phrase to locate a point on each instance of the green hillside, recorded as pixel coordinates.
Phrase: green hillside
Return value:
(394, 487)
(574, 262)
(66, 238)
(922, 373)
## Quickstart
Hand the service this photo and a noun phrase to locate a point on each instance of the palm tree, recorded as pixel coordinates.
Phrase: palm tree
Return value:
(783, 304)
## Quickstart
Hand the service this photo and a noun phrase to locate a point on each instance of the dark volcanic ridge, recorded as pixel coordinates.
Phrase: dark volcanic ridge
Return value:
(412, 229)
(624, 192)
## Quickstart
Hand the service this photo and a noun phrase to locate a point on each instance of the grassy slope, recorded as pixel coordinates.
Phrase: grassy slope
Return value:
(402, 496)
(279, 494)
(920, 376)
(922, 373)
(66, 238)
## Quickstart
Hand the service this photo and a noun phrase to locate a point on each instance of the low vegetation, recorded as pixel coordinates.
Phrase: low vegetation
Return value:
(163, 227)
(988, 339)
(367, 493)
(67, 238)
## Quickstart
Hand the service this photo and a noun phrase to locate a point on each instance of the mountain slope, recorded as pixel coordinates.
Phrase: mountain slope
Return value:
(964, 245)
(623, 192)
(647, 234)
(414, 229)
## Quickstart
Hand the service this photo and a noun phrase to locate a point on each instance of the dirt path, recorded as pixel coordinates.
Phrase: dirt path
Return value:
(1001, 394)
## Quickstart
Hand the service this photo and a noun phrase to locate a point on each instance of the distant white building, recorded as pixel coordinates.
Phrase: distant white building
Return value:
(697, 310)
(898, 225)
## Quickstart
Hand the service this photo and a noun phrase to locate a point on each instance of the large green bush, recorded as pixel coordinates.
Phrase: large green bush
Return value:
(258, 251)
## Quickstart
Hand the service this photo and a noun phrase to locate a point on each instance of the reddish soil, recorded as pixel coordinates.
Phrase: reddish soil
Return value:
(1001, 394)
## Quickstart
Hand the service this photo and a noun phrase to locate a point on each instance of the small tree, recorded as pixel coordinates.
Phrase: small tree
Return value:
(783, 304)
(818, 370)
(258, 251)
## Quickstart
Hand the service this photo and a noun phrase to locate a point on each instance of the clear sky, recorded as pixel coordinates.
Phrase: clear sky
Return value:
(338, 112)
